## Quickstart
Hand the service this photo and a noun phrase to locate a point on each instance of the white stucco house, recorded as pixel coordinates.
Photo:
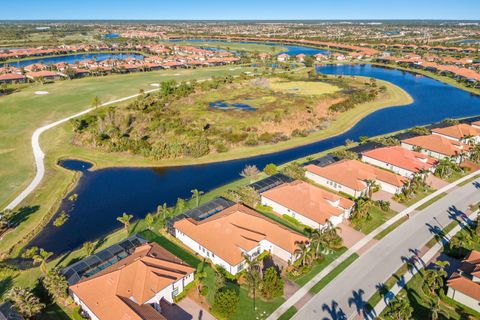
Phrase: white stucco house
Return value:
(309, 204)
(464, 285)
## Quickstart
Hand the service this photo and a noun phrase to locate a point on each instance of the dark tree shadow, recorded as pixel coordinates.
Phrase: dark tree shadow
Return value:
(458, 215)
(268, 263)
(335, 312)
(385, 292)
(418, 257)
(5, 285)
(476, 184)
(22, 214)
(362, 307)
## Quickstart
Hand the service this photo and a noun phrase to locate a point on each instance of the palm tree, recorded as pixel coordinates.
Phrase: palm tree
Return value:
(434, 307)
(125, 219)
(361, 211)
(149, 220)
(89, 248)
(25, 302)
(399, 309)
(251, 172)
(319, 243)
(252, 276)
(371, 186)
(445, 168)
(303, 253)
(42, 257)
(96, 102)
(475, 153)
(196, 194)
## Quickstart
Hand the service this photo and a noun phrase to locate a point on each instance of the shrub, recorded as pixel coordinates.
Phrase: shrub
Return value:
(225, 303)
(270, 169)
(272, 284)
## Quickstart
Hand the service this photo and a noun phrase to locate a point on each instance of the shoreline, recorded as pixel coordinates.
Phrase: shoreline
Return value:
(246, 152)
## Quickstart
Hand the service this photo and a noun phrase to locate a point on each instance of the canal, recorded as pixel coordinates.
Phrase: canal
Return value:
(105, 194)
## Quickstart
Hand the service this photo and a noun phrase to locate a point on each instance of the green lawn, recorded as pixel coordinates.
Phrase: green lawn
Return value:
(333, 274)
(420, 301)
(236, 46)
(377, 218)
(390, 228)
(318, 266)
(288, 314)
(418, 196)
(434, 199)
(275, 217)
(302, 87)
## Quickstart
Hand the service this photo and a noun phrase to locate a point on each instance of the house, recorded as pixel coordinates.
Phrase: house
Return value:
(226, 236)
(12, 78)
(136, 287)
(461, 132)
(475, 124)
(464, 285)
(320, 57)
(400, 160)
(263, 55)
(300, 57)
(45, 74)
(438, 147)
(352, 176)
(283, 57)
(309, 204)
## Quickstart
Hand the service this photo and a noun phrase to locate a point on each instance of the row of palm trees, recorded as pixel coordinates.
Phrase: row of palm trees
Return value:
(163, 211)
(321, 242)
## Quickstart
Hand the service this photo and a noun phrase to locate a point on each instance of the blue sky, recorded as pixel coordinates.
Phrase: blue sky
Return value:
(240, 9)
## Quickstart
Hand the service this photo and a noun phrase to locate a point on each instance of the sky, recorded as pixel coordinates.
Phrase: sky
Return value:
(239, 9)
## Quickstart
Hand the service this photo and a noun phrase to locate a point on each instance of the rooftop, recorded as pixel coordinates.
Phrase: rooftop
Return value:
(438, 144)
(236, 229)
(458, 131)
(122, 290)
(354, 173)
(402, 158)
(308, 200)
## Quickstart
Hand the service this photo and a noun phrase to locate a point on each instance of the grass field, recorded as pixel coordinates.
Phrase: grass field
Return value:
(235, 46)
(302, 87)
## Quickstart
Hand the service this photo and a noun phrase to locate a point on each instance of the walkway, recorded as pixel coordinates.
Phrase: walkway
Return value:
(39, 155)
(305, 289)
(347, 294)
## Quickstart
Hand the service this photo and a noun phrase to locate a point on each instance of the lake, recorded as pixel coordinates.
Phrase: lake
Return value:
(105, 194)
(73, 58)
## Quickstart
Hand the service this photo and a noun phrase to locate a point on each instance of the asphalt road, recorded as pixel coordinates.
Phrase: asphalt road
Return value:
(345, 297)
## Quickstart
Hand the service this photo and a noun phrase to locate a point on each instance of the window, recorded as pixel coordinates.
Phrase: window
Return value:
(175, 292)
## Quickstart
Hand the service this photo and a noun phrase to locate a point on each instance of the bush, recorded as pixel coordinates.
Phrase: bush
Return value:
(270, 169)
(272, 284)
(225, 303)
(204, 291)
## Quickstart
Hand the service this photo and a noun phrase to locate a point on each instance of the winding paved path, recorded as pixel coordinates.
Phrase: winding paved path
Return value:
(39, 155)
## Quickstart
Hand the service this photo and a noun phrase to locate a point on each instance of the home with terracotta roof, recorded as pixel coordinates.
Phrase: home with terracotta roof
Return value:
(12, 78)
(283, 57)
(464, 284)
(400, 160)
(352, 177)
(45, 75)
(309, 204)
(226, 236)
(136, 287)
(461, 132)
(475, 124)
(438, 147)
(300, 57)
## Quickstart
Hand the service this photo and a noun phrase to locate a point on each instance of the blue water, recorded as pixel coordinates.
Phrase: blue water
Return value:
(222, 105)
(105, 194)
(71, 59)
(111, 36)
(291, 49)
(469, 41)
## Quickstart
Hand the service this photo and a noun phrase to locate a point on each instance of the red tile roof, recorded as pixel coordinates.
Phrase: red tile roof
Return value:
(402, 158)
(354, 173)
(438, 144)
(458, 131)
(308, 200)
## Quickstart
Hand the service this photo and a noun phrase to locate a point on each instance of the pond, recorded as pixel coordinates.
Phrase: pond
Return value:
(222, 105)
(291, 49)
(73, 58)
(105, 194)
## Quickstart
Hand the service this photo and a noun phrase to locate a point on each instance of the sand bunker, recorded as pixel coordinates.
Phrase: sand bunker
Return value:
(155, 84)
(41, 92)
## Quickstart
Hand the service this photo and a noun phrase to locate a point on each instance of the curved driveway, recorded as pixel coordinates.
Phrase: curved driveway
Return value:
(39, 155)
(345, 297)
